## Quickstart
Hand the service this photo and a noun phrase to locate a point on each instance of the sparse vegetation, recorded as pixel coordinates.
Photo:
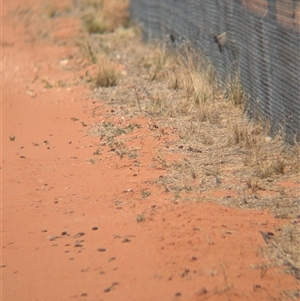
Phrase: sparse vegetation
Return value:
(51, 11)
(219, 146)
(104, 15)
(252, 183)
(235, 91)
(145, 193)
(93, 25)
(209, 151)
(87, 51)
(106, 76)
(110, 130)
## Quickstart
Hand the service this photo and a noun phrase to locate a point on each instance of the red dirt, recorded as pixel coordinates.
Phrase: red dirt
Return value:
(51, 192)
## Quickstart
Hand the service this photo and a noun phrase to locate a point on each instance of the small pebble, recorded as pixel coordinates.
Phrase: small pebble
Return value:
(140, 218)
(256, 287)
(95, 228)
(79, 234)
(178, 294)
(101, 249)
(202, 291)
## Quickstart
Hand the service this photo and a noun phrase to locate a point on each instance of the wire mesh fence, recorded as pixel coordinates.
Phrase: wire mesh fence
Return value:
(258, 38)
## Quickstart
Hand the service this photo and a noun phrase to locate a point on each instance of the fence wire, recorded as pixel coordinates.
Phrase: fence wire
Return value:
(262, 42)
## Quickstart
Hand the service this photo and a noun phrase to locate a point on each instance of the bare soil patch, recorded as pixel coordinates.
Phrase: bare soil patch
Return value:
(114, 188)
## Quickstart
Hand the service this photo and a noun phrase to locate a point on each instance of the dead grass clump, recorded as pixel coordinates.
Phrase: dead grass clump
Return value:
(194, 81)
(158, 63)
(157, 106)
(115, 13)
(106, 76)
(86, 50)
(235, 91)
(173, 80)
(294, 153)
(252, 183)
(207, 112)
(94, 25)
(244, 135)
(51, 11)
(196, 76)
(267, 166)
(101, 16)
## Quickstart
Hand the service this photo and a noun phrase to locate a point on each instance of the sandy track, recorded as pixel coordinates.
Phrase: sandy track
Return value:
(79, 229)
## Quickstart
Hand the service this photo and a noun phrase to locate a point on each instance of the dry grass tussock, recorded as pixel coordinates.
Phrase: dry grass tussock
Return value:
(101, 16)
(106, 76)
(220, 147)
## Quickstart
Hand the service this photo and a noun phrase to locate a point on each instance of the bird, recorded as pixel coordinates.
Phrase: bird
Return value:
(221, 40)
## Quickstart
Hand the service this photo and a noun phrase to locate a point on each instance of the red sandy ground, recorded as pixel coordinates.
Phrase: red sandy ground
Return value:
(51, 193)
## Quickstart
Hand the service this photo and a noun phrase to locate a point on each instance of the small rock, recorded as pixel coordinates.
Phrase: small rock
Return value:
(256, 287)
(64, 62)
(268, 139)
(126, 240)
(79, 234)
(52, 238)
(202, 291)
(178, 294)
(95, 228)
(101, 249)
